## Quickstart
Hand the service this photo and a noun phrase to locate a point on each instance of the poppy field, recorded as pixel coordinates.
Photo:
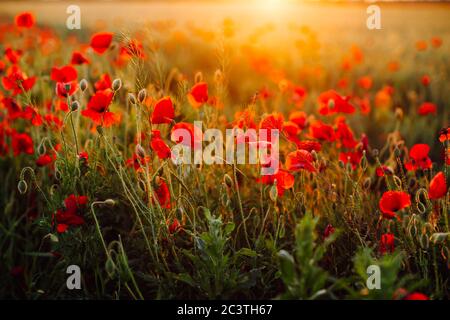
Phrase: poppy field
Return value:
(357, 206)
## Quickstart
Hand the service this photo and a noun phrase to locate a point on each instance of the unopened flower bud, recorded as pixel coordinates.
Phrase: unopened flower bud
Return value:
(22, 186)
(117, 84)
(74, 106)
(375, 152)
(132, 98)
(139, 150)
(398, 113)
(142, 95)
(100, 130)
(109, 202)
(228, 181)
(83, 85)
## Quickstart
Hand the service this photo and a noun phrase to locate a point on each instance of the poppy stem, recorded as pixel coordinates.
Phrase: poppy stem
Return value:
(74, 134)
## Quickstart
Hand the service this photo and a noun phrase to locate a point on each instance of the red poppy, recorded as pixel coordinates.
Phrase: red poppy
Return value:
(17, 81)
(426, 80)
(174, 226)
(244, 119)
(198, 94)
(383, 170)
(309, 145)
(299, 118)
(393, 201)
(159, 146)
(14, 109)
(419, 159)
(78, 58)
(274, 120)
(321, 131)
(438, 186)
(298, 96)
(71, 214)
(13, 55)
(101, 41)
(284, 180)
(32, 115)
(137, 162)
(427, 108)
(97, 108)
(64, 74)
(191, 129)
(345, 135)
(300, 159)
(291, 130)
(331, 102)
(329, 230)
(22, 143)
(163, 111)
(387, 243)
(44, 160)
(162, 194)
(25, 20)
(103, 83)
(436, 42)
(352, 157)
(63, 90)
(365, 82)
(416, 296)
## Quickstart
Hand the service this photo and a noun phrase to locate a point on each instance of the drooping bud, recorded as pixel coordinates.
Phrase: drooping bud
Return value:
(117, 84)
(109, 202)
(132, 98)
(398, 113)
(142, 95)
(83, 85)
(375, 152)
(228, 181)
(74, 106)
(139, 150)
(22, 186)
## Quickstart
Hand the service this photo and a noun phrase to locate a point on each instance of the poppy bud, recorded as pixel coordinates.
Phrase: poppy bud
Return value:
(398, 113)
(132, 98)
(314, 154)
(117, 84)
(218, 76)
(109, 202)
(228, 181)
(375, 152)
(42, 149)
(341, 164)
(397, 152)
(74, 106)
(157, 181)
(83, 85)
(110, 268)
(22, 186)
(198, 77)
(142, 95)
(139, 150)
(367, 182)
(273, 193)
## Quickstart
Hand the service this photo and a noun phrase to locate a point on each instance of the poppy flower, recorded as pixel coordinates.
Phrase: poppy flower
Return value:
(421, 45)
(163, 111)
(416, 296)
(309, 145)
(438, 186)
(393, 201)
(345, 135)
(25, 20)
(244, 119)
(191, 129)
(300, 159)
(291, 130)
(174, 226)
(331, 102)
(329, 230)
(387, 243)
(419, 157)
(33, 116)
(198, 94)
(352, 157)
(159, 146)
(425, 80)
(274, 120)
(71, 214)
(284, 180)
(13, 107)
(381, 171)
(17, 81)
(436, 42)
(162, 194)
(103, 83)
(137, 162)
(22, 143)
(321, 131)
(365, 82)
(63, 90)
(299, 118)
(444, 134)
(44, 160)
(101, 41)
(78, 58)
(427, 108)
(13, 55)
(97, 108)
(64, 74)
(298, 96)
